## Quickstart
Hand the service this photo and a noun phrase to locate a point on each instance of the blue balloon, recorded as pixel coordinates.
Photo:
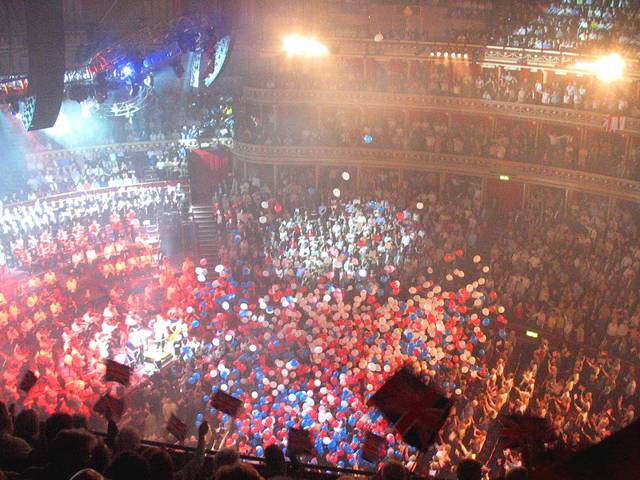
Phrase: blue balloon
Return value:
(367, 139)
(191, 381)
(195, 324)
(206, 398)
(259, 451)
(199, 417)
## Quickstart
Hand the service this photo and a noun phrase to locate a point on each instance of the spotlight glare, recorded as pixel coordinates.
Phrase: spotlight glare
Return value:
(127, 71)
(608, 68)
(301, 46)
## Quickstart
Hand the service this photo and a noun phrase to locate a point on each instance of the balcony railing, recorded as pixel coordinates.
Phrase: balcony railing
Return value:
(128, 147)
(456, 164)
(543, 113)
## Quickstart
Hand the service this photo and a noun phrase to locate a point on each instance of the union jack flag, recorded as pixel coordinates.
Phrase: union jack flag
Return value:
(28, 381)
(418, 411)
(226, 403)
(371, 447)
(177, 427)
(613, 123)
(518, 430)
(299, 442)
(117, 372)
(108, 404)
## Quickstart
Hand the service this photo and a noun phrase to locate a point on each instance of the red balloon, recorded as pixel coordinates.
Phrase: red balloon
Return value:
(203, 262)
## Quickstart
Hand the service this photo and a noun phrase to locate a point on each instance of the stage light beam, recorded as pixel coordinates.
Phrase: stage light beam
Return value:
(301, 46)
(608, 68)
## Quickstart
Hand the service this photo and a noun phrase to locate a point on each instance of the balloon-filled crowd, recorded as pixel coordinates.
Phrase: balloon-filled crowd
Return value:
(310, 307)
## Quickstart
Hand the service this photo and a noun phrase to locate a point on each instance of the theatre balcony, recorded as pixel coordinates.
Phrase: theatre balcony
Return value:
(259, 157)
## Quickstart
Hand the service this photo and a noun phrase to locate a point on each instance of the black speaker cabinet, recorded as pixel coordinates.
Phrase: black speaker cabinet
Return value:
(46, 46)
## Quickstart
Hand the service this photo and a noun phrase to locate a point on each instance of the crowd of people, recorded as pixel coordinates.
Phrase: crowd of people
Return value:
(342, 127)
(61, 447)
(567, 25)
(90, 228)
(326, 297)
(490, 84)
(83, 170)
(319, 293)
(577, 25)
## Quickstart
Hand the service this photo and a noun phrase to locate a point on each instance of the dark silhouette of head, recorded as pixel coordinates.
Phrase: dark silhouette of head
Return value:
(160, 463)
(128, 465)
(70, 452)
(469, 469)
(226, 456)
(393, 470)
(517, 473)
(237, 471)
(56, 423)
(26, 425)
(274, 461)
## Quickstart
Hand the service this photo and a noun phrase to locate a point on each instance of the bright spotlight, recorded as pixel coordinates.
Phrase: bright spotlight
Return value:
(127, 71)
(301, 46)
(608, 68)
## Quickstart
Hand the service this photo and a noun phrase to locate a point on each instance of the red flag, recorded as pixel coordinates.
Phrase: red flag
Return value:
(28, 381)
(299, 442)
(117, 372)
(226, 403)
(418, 411)
(371, 448)
(108, 404)
(177, 428)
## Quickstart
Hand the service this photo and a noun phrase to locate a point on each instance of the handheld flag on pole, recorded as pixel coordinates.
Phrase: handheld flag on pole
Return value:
(299, 442)
(371, 447)
(417, 411)
(519, 430)
(109, 406)
(177, 427)
(117, 372)
(28, 381)
(226, 403)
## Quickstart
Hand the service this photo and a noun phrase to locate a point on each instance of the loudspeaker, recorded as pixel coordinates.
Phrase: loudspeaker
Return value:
(46, 46)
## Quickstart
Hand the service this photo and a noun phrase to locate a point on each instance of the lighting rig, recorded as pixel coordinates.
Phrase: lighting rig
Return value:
(118, 80)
